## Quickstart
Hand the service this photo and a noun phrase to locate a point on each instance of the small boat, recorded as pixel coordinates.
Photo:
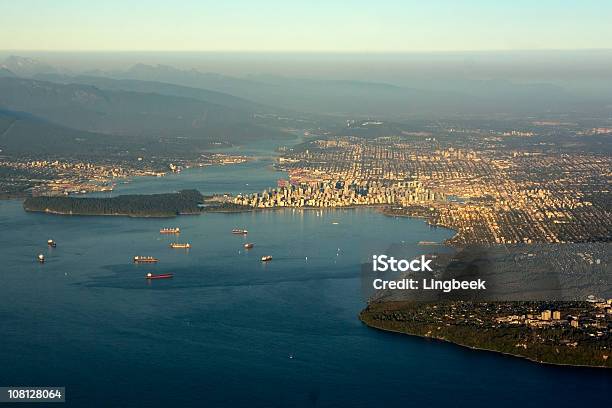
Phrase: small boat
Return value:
(145, 259)
(51, 243)
(41, 258)
(239, 231)
(249, 245)
(170, 230)
(428, 243)
(179, 246)
(266, 258)
(159, 276)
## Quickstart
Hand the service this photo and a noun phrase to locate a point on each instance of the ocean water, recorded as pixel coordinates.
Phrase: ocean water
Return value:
(252, 176)
(227, 330)
(255, 175)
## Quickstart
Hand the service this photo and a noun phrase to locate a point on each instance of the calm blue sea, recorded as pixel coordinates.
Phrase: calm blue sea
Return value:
(229, 331)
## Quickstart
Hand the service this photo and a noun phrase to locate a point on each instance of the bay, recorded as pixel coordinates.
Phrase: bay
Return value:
(229, 330)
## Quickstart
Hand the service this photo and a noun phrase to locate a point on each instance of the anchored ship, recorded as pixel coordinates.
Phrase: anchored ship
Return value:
(266, 258)
(176, 230)
(145, 259)
(159, 276)
(239, 231)
(177, 245)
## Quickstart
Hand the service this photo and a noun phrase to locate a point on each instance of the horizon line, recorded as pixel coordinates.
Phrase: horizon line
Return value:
(346, 52)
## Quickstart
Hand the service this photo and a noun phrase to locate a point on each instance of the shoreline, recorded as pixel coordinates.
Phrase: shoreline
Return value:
(245, 209)
(502, 353)
(448, 242)
(102, 215)
(378, 208)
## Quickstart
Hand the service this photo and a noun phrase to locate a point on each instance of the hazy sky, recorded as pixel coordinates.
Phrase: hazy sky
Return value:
(309, 25)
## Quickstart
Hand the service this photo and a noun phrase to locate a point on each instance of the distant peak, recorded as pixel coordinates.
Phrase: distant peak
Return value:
(147, 67)
(16, 59)
(26, 66)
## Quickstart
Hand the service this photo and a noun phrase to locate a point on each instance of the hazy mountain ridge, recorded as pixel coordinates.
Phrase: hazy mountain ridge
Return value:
(22, 133)
(353, 97)
(88, 108)
(24, 66)
(259, 92)
(161, 88)
(190, 109)
(50, 118)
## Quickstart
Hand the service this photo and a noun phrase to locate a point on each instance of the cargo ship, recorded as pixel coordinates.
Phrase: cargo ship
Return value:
(266, 258)
(41, 258)
(177, 245)
(51, 243)
(249, 245)
(239, 231)
(159, 276)
(145, 259)
(176, 230)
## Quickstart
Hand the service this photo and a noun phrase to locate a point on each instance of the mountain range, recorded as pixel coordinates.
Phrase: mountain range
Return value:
(25, 134)
(161, 101)
(352, 97)
(433, 98)
(89, 108)
(58, 112)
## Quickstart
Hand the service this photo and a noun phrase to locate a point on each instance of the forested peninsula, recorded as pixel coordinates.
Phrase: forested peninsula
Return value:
(134, 205)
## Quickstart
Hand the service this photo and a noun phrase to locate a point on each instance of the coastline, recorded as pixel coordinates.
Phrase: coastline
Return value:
(450, 242)
(184, 202)
(370, 323)
(384, 209)
(58, 213)
(220, 209)
(478, 348)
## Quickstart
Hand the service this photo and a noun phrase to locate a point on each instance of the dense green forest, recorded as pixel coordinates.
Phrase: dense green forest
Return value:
(555, 344)
(138, 205)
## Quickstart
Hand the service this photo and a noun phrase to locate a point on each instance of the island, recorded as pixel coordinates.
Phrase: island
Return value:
(133, 205)
(564, 333)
